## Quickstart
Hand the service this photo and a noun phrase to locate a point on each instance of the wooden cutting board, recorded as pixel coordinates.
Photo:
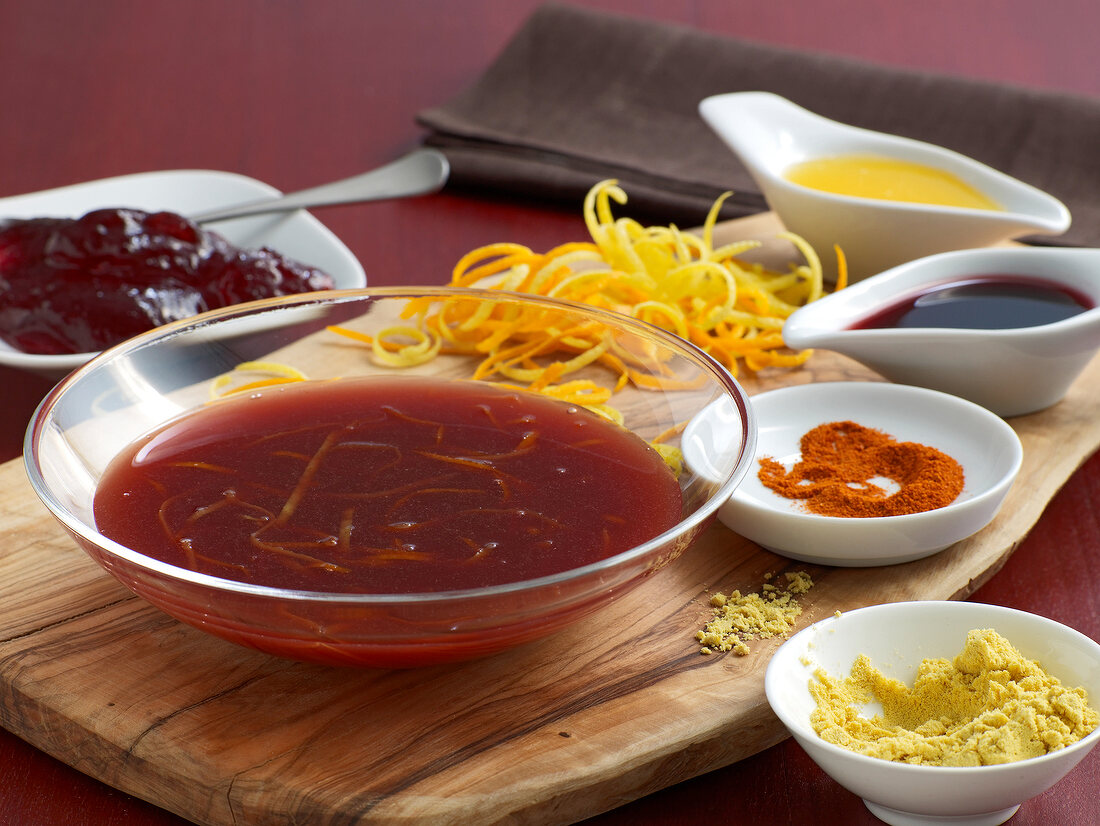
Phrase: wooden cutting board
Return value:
(613, 708)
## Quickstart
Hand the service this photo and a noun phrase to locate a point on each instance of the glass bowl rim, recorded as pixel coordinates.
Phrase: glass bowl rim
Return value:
(87, 533)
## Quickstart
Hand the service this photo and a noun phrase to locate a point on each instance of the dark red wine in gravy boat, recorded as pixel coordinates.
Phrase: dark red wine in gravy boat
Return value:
(387, 485)
(981, 302)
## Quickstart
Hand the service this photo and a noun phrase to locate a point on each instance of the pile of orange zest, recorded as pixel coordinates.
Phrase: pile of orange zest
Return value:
(680, 281)
(519, 345)
(271, 373)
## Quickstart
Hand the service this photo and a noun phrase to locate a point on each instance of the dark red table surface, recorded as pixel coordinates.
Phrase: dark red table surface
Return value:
(299, 93)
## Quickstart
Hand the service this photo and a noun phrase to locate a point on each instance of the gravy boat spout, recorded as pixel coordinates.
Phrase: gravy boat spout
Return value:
(1009, 371)
(770, 134)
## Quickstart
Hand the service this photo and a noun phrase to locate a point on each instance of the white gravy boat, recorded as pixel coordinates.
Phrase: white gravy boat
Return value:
(1008, 371)
(770, 134)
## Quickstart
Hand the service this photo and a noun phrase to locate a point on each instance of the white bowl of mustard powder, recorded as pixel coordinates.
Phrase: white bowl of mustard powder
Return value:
(934, 710)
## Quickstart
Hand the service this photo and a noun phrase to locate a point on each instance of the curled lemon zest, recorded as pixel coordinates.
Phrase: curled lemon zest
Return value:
(396, 346)
(388, 347)
(270, 373)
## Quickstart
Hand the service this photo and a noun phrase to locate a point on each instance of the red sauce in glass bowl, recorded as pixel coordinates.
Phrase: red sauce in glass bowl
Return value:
(387, 485)
(80, 285)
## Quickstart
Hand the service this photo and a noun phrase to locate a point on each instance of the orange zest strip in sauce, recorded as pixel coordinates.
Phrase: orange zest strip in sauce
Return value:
(306, 479)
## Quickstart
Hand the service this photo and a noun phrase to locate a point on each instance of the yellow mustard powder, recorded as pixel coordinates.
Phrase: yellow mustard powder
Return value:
(737, 618)
(988, 705)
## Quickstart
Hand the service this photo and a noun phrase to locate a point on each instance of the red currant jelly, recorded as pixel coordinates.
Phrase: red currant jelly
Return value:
(80, 285)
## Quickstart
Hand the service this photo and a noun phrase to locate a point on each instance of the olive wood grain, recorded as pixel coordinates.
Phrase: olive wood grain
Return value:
(611, 709)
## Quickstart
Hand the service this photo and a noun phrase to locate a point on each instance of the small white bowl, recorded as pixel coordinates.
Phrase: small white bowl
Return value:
(297, 234)
(897, 637)
(770, 134)
(987, 448)
(1011, 372)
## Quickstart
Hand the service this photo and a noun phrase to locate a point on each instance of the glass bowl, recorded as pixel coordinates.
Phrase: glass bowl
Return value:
(138, 386)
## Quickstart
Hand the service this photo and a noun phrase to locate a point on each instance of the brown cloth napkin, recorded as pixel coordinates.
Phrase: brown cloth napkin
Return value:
(580, 95)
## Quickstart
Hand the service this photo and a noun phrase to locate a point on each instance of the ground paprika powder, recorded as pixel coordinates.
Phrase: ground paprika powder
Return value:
(850, 470)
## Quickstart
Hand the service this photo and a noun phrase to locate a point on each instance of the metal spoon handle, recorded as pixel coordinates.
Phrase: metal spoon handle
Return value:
(420, 172)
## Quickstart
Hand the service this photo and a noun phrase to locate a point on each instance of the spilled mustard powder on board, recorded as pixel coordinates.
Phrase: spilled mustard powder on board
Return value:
(988, 705)
(737, 618)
